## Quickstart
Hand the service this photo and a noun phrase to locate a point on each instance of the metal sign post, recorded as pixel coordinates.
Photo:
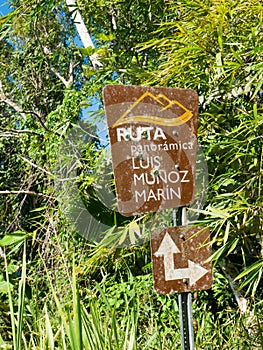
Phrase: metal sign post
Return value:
(179, 259)
(185, 302)
(186, 321)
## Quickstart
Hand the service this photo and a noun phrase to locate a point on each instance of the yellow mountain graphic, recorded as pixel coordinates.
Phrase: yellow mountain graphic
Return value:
(165, 104)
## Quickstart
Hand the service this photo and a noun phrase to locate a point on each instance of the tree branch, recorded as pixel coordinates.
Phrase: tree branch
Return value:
(36, 166)
(82, 31)
(23, 192)
(7, 100)
(240, 299)
(20, 110)
(41, 122)
(13, 132)
(68, 82)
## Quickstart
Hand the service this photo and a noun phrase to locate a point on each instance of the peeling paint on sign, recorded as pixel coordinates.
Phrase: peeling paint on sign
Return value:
(179, 258)
(153, 144)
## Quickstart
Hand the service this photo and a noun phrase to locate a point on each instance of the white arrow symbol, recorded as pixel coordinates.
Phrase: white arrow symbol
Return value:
(166, 249)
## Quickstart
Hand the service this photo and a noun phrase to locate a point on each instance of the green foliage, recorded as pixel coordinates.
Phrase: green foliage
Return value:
(127, 314)
(214, 47)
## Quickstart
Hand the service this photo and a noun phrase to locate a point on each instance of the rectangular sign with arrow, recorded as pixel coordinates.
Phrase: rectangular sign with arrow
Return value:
(179, 258)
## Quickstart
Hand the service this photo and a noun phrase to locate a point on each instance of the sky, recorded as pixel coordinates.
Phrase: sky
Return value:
(4, 7)
(101, 126)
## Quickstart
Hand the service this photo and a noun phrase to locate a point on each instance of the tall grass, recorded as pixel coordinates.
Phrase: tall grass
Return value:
(17, 319)
(123, 315)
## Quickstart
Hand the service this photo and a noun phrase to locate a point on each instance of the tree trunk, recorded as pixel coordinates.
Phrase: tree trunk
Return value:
(82, 31)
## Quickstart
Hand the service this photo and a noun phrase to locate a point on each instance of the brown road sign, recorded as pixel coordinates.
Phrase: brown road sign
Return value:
(153, 144)
(179, 259)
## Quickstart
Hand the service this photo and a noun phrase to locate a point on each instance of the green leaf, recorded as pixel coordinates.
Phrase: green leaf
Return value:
(13, 238)
(4, 285)
(253, 268)
(87, 51)
(103, 37)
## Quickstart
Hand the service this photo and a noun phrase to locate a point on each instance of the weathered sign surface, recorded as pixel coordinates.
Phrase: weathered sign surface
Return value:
(179, 257)
(153, 144)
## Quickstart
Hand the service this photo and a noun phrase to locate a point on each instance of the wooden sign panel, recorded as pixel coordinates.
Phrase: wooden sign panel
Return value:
(153, 144)
(179, 258)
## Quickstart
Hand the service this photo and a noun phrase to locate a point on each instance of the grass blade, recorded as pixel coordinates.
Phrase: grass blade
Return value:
(49, 332)
(21, 301)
